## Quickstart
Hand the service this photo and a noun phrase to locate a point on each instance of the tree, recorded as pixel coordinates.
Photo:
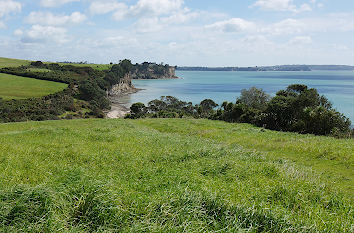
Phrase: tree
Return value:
(38, 64)
(303, 110)
(137, 110)
(254, 97)
(206, 107)
(157, 105)
(126, 65)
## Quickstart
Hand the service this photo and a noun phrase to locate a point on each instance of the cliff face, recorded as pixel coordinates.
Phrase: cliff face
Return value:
(123, 87)
(153, 71)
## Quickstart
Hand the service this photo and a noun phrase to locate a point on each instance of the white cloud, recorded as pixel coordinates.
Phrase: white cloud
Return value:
(18, 32)
(326, 24)
(156, 7)
(151, 24)
(182, 16)
(154, 24)
(153, 15)
(300, 40)
(316, 3)
(55, 3)
(150, 8)
(232, 25)
(47, 18)
(320, 5)
(9, 6)
(40, 34)
(77, 17)
(121, 13)
(304, 7)
(104, 7)
(281, 5)
(287, 26)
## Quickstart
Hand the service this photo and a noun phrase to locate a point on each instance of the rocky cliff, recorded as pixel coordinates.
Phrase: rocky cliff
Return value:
(124, 86)
(153, 71)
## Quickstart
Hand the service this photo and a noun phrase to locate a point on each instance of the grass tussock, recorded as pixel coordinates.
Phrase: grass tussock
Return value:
(170, 175)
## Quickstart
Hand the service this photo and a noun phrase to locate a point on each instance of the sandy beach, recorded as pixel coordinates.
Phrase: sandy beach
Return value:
(120, 104)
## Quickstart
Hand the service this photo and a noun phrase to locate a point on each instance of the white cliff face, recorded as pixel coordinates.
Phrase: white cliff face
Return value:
(124, 86)
(171, 73)
(149, 73)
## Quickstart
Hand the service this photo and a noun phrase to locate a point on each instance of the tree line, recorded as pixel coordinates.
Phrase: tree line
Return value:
(86, 95)
(295, 109)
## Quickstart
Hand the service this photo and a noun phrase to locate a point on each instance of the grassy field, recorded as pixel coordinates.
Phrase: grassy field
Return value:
(171, 175)
(15, 87)
(8, 62)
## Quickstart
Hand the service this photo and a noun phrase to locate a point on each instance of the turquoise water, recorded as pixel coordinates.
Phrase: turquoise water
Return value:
(194, 86)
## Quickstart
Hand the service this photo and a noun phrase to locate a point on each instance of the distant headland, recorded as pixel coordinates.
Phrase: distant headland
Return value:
(270, 68)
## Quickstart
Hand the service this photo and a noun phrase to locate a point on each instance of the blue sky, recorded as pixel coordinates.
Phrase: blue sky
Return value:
(189, 32)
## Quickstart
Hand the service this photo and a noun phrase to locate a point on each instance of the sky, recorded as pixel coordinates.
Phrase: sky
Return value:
(180, 32)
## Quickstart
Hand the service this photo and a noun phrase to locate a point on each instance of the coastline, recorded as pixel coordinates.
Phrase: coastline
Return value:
(119, 102)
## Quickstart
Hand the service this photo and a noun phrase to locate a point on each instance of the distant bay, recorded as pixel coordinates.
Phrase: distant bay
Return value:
(194, 86)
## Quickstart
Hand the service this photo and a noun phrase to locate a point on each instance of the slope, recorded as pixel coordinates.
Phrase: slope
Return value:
(168, 175)
(15, 87)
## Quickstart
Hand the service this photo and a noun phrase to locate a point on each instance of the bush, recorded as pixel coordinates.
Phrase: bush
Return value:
(296, 109)
(254, 98)
(303, 110)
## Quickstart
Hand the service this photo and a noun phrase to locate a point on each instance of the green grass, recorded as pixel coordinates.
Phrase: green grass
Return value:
(171, 175)
(9, 62)
(15, 87)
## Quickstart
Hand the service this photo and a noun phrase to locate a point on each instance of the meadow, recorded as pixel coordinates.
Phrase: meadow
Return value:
(9, 62)
(15, 87)
(171, 175)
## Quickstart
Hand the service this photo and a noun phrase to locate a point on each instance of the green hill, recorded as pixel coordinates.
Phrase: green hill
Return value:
(171, 175)
(15, 87)
(9, 62)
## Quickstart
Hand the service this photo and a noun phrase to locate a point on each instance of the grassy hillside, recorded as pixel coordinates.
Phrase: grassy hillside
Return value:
(15, 87)
(9, 62)
(171, 175)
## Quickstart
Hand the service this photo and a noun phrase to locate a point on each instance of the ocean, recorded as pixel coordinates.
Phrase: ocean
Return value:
(195, 86)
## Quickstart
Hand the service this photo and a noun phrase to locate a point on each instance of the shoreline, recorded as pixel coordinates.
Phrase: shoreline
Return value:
(119, 101)
(118, 105)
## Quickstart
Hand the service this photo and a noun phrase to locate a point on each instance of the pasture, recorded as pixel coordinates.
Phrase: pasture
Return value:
(171, 175)
(15, 87)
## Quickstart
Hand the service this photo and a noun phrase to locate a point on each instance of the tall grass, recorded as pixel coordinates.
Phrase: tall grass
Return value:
(170, 175)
